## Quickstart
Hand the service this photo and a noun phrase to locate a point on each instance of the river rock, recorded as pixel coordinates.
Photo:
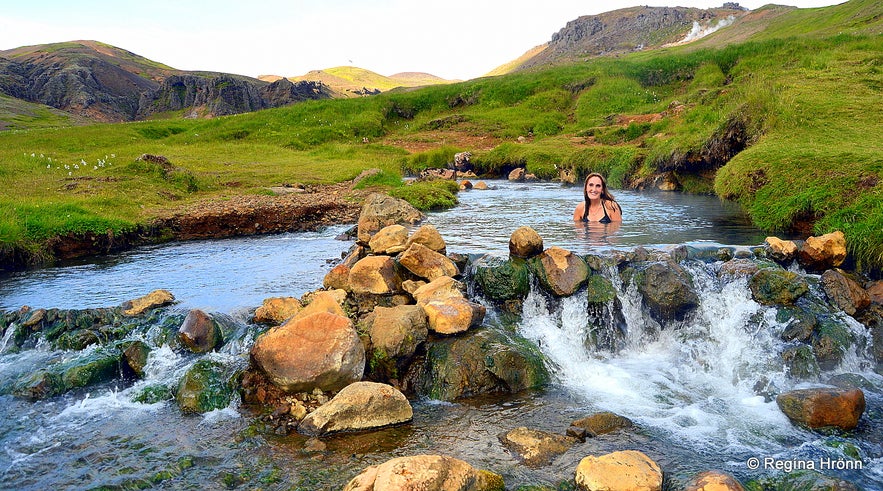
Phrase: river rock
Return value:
(875, 291)
(394, 334)
(321, 350)
(824, 252)
(207, 385)
(560, 271)
(276, 310)
(803, 480)
(375, 274)
(425, 472)
(599, 424)
(800, 362)
(426, 263)
(154, 299)
(738, 268)
(713, 481)
(667, 291)
(771, 286)
(800, 324)
(199, 332)
(381, 210)
(831, 340)
(844, 292)
(481, 186)
(453, 315)
(535, 448)
(823, 407)
(427, 235)
(338, 278)
(135, 354)
(358, 406)
(389, 240)
(516, 174)
(525, 243)
(441, 288)
(321, 301)
(782, 251)
(483, 361)
(500, 280)
(465, 185)
(625, 470)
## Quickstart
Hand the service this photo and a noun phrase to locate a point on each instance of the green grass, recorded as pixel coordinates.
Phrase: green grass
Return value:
(804, 104)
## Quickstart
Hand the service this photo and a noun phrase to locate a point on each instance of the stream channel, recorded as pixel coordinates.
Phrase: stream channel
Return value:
(688, 390)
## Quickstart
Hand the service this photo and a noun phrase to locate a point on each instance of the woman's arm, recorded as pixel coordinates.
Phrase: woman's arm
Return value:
(614, 211)
(578, 212)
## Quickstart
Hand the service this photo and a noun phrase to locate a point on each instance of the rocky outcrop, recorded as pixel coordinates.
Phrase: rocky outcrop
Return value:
(628, 469)
(429, 472)
(822, 408)
(358, 406)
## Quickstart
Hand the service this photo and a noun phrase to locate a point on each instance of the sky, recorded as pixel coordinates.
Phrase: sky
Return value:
(452, 39)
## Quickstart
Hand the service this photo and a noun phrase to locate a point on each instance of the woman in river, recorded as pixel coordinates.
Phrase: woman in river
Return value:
(598, 204)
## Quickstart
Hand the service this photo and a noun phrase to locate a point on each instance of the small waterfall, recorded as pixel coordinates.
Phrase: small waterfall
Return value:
(694, 382)
(10, 331)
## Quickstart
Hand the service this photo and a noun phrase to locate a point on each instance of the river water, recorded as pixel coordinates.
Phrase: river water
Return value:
(689, 390)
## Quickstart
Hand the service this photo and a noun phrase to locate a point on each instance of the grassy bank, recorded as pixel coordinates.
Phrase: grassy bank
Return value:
(786, 126)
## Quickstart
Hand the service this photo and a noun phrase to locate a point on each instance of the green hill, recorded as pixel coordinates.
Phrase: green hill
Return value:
(786, 121)
(351, 81)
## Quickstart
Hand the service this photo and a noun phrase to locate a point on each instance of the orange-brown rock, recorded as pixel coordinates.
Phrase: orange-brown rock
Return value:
(844, 292)
(358, 406)
(426, 263)
(321, 350)
(381, 210)
(465, 185)
(376, 275)
(156, 298)
(823, 407)
(439, 289)
(397, 331)
(453, 315)
(276, 310)
(875, 290)
(714, 481)
(425, 472)
(602, 423)
(824, 252)
(338, 277)
(322, 301)
(536, 447)
(625, 470)
(516, 174)
(781, 250)
(427, 235)
(199, 332)
(561, 271)
(389, 240)
(525, 243)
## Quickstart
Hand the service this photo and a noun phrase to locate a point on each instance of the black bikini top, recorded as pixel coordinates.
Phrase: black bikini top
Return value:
(604, 219)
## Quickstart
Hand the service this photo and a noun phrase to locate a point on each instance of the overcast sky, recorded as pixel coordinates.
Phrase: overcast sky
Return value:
(453, 39)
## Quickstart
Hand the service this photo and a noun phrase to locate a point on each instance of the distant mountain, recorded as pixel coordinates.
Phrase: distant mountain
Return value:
(350, 81)
(101, 82)
(623, 31)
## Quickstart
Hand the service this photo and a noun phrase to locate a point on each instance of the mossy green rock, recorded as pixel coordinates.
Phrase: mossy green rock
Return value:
(777, 286)
(800, 481)
(151, 394)
(99, 366)
(207, 385)
(481, 362)
(667, 291)
(500, 279)
(600, 290)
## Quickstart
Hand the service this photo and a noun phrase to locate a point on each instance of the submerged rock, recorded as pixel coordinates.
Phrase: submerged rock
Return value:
(358, 406)
(628, 469)
(425, 472)
(95, 367)
(599, 424)
(207, 385)
(534, 447)
(821, 408)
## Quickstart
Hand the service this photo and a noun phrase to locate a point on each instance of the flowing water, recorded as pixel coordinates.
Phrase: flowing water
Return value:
(690, 390)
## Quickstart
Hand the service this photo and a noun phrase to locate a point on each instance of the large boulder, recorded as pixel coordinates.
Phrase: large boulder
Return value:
(376, 275)
(453, 315)
(771, 286)
(207, 385)
(391, 239)
(480, 362)
(439, 289)
(525, 243)
(199, 332)
(426, 263)
(823, 407)
(713, 481)
(276, 310)
(154, 299)
(394, 334)
(358, 406)
(844, 292)
(534, 447)
(381, 210)
(667, 291)
(500, 280)
(427, 235)
(321, 350)
(625, 470)
(824, 252)
(425, 472)
(560, 271)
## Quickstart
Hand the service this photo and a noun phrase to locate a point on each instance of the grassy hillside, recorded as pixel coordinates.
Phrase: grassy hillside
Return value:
(798, 113)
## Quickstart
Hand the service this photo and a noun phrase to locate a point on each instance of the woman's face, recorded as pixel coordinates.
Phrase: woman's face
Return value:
(594, 186)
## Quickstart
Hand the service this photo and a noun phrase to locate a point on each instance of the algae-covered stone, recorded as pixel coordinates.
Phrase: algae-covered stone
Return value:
(151, 394)
(777, 286)
(500, 280)
(667, 291)
(207, 385)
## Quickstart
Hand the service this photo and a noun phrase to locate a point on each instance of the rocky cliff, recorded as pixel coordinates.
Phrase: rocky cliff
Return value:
(105, 83)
